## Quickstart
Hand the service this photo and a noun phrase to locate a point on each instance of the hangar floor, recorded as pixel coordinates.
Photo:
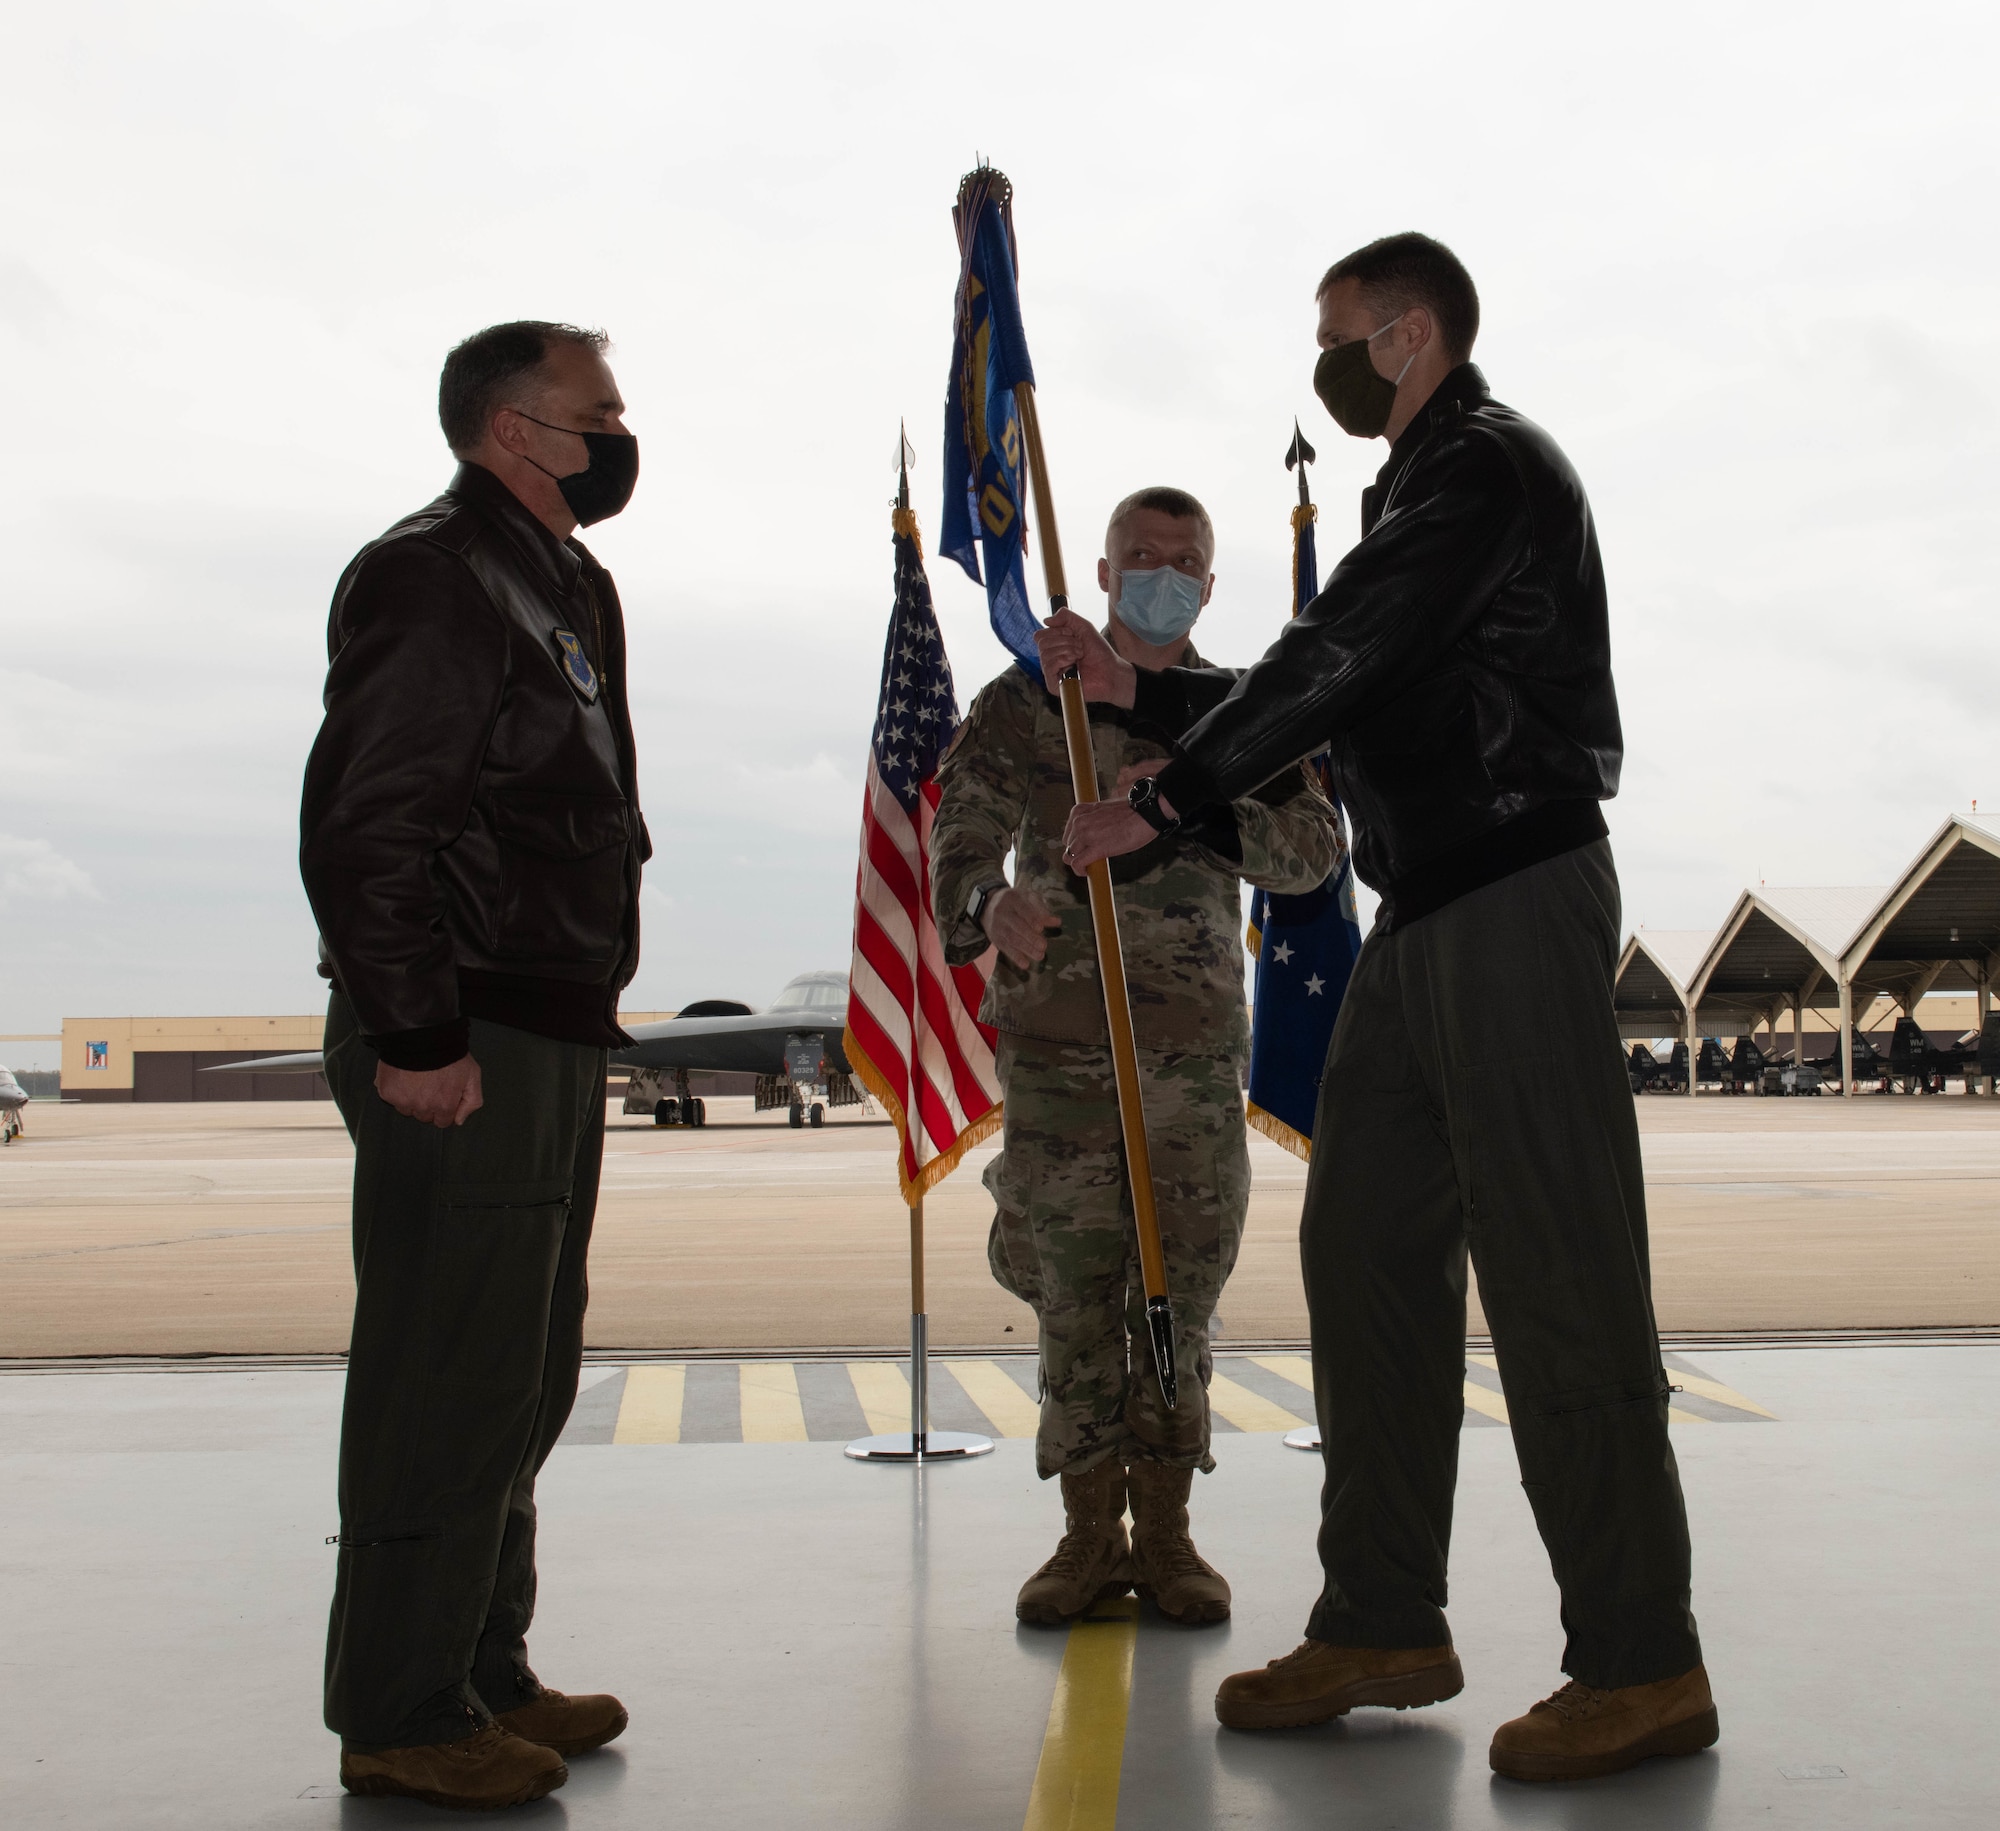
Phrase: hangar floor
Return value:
(808, 1642)
(209, 1229)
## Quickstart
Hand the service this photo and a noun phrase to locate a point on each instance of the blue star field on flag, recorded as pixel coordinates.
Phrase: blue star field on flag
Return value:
(918, 709)
(1304, 946)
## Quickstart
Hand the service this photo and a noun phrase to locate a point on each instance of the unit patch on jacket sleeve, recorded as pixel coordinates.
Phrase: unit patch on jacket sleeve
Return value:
(576, 665)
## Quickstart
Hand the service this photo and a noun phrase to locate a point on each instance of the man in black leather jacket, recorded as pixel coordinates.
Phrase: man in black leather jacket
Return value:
(471, 844)
(1458, 665)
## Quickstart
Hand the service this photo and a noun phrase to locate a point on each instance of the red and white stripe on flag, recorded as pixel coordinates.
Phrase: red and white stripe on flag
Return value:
(913, 1034)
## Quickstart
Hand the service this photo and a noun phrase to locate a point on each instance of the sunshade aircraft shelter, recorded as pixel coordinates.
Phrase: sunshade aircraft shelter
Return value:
(1781, 949)
(1649, 992)
(1936, 929)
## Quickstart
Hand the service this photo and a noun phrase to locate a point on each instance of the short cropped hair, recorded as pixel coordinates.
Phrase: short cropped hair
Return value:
(1400, 271)
(1165, 500)
(490, 365)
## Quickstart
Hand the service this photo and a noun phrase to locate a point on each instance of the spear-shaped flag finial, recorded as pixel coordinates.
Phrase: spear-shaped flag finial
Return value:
(1298, 457)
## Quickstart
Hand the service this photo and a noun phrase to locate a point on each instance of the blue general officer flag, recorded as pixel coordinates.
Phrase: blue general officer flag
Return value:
(984, 479)
(1304, 946)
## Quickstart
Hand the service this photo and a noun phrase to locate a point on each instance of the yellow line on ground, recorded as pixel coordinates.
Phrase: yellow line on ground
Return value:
(650, 1410)
(768, 1392)
(1716, 1390)
(991, 1387)
(1676, 1416)
(1076, 1781)
(884, 1394)
(1297, 1368)
(1248, 1410)
(1487, 1404)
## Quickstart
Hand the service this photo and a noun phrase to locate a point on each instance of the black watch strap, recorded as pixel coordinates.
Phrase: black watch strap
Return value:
(1144, 800)
(975, 904)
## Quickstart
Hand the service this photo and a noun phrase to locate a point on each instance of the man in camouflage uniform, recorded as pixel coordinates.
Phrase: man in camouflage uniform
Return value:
(1062, 1237)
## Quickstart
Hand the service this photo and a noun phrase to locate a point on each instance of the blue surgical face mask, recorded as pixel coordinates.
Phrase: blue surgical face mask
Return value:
(1160, 605)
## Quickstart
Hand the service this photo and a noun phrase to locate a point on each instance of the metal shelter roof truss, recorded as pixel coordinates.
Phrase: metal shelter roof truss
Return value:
(1937, 929)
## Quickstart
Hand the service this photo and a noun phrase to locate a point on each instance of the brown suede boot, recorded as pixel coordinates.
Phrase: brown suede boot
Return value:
(1166, 1568)
(1582, 1732)
(479, 1774)
(1315, 1682)
(1094, 1561)
(569, 1725)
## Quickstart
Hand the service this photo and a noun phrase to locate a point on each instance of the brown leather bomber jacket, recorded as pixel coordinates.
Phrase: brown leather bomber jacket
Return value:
(470, 836)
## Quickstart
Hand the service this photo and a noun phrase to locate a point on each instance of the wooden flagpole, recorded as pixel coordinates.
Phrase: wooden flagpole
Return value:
(1104, 925)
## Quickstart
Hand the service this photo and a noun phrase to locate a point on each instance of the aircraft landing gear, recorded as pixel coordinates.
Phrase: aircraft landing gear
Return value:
(798, 1115)
(666, 1112)
(689, 1110)
(818, 1113)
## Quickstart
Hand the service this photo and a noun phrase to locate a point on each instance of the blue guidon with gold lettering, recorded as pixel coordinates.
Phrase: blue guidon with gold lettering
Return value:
(576, 665)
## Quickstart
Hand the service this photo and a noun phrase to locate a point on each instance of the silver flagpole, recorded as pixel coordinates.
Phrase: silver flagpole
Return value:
(920, 1443)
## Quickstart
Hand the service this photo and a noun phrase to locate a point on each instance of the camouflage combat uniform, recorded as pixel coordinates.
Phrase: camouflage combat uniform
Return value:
(1062, 1237)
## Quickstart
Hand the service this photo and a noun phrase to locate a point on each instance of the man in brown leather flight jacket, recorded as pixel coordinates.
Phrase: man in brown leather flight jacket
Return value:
(1457, 668)
(471, 844)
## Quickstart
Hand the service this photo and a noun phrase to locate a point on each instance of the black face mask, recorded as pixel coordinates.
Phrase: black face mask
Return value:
(1346, 381)
(605, 485)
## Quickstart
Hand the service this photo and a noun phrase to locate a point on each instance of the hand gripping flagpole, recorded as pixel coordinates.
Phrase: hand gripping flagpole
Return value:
(1104, 925)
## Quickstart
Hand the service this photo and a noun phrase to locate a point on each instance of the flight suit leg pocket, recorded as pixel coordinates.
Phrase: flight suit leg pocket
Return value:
(497, 1246)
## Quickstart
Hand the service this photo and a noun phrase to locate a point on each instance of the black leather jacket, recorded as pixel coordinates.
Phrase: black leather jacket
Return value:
(1458, 663)
(470, 835)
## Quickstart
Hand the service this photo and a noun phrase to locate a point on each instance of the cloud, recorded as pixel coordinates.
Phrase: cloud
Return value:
(32, 869)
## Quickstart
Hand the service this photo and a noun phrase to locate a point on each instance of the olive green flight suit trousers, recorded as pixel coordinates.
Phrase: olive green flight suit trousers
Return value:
(469, 1249)
(1475, 1097)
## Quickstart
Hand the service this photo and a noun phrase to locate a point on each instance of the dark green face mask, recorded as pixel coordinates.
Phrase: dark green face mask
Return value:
(1349, 388)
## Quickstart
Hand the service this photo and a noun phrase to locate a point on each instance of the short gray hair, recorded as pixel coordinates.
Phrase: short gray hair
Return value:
(489, 365)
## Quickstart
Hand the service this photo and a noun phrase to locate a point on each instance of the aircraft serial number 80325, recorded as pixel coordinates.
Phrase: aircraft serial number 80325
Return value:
(794, 1050)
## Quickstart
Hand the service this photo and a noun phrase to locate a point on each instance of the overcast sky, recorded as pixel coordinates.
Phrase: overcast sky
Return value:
(1741, 261)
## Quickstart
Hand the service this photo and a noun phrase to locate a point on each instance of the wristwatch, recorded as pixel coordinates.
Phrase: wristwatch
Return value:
(975, 904)
(1144, 800)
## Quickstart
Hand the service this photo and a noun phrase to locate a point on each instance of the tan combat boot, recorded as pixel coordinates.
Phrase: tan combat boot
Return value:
(478, 1774)
(1166, 1568)
(1582, 1732)
(1094, 1561)
(569, 1725)
(1317, 1681)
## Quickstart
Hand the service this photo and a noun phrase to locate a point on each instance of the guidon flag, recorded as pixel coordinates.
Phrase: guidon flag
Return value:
(984, 474)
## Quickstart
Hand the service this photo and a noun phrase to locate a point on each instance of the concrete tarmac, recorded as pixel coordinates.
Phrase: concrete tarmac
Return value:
(807, 1642)
(222, 1228)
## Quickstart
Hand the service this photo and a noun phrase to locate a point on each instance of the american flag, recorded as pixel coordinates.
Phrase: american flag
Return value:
(913, 1034)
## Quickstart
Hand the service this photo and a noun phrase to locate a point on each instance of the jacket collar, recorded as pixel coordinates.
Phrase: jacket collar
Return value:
(557, 561)
(1460, 391)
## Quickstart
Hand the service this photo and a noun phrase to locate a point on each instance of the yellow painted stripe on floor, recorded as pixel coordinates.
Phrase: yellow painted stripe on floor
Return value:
(768, 1392)
(1076, 1781)
(1297, 1368)
(1721, 1394)
(1676, 1416)
(1486, 1403)
(884, 1394)
(991, 1387)
(650, 1410)
(1248, 1410)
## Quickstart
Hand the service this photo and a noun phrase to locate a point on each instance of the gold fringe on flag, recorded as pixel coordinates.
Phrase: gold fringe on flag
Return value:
(915, 1188)
(1274, 1129)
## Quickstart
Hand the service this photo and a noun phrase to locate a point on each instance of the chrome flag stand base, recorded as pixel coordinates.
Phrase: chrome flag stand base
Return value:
(1304, 1438)
(919, 1443)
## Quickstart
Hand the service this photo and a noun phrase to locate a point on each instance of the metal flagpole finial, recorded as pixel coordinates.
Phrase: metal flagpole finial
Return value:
(906, 455)
(1299, 456)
